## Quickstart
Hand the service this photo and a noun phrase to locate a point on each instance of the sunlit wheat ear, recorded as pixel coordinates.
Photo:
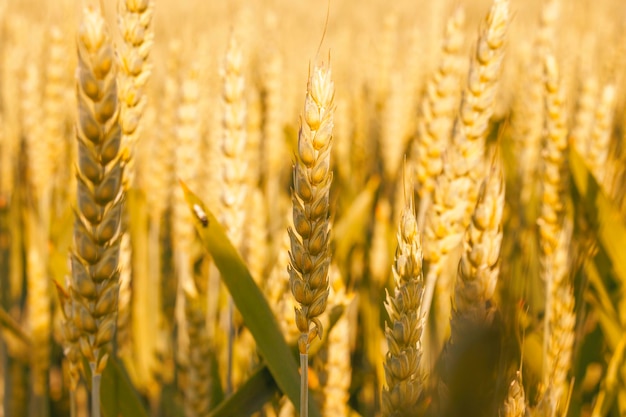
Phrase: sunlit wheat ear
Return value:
(560, 323)
(404, 382)
(456, 188)
(553, 160)
(135, 25)
(471, 355)
(310, 252)
(600, 139)
(439, 106)
(94, 261)
(527, 117)
(478, 101)
(586, 101)
(479, 266)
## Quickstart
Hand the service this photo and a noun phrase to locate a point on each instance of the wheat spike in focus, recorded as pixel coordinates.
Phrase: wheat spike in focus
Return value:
(94, 285)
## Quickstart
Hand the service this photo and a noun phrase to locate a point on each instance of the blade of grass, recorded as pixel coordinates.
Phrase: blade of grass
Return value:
(602, 215)
(249, 300)
(118, 395)
(610, 384)
(250, 397)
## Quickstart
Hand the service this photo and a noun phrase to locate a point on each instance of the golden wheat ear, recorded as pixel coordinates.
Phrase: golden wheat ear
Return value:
(97, 229)
(310, 253)
(404, 381)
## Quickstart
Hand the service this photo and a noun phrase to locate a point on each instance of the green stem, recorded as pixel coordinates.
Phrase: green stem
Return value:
(95, 391)
(304, 383)
(72, 403)
(231, 342)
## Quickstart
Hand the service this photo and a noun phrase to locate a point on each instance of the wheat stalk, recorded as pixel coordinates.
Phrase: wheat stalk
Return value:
(310, 237)
(438, 107)
(97, 229)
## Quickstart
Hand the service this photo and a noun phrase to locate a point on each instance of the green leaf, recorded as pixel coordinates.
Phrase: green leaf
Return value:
(601, 214)
(250, 397)
(117, 394)
(250, 302)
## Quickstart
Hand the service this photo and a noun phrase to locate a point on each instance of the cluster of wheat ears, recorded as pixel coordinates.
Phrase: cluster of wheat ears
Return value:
(281, 208)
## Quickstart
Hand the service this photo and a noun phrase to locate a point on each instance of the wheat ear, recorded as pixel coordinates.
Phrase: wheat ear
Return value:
(455, 193)
(135, 25)
(527, 120)
(310, 242)
(479, 265)
(403, 330)
(198, 391)
(438, 107)
(470, 357)
(600, 139)
(70, 337)
(97, 233)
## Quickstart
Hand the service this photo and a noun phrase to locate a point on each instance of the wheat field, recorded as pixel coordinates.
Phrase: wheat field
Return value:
(285, 208)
